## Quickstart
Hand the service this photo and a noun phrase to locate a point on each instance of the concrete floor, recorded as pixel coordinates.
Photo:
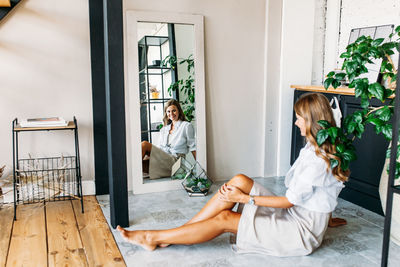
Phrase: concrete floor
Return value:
(359, 243)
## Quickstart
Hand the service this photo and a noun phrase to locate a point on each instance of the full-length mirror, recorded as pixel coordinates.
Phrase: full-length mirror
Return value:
(165, 98)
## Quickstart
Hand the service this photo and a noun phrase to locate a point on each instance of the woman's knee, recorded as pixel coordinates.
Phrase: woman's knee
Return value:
(243, 182)
(228, 220)
(146, 146)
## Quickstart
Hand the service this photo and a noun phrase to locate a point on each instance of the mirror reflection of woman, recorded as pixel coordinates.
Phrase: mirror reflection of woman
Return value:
(177, 138)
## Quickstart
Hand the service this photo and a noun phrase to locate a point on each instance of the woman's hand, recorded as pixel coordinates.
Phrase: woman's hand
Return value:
(231, 193)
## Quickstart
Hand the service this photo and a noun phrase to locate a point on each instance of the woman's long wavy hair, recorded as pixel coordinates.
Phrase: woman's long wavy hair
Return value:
(313, 107)
(173, 102)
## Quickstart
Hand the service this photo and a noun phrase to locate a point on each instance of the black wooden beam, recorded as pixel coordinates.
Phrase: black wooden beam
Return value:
(115, 111)
(98, 96)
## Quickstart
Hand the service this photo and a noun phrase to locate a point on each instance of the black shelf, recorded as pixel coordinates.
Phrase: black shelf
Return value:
(391, 188)
(149, 40)
(149, 73)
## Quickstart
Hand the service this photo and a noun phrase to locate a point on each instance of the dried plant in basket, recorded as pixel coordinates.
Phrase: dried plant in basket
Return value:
(36, 183)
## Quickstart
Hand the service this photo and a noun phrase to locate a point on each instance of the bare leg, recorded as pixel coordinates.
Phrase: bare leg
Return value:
(194, 233)
(146, 165)
(146, 148)
(214, 206)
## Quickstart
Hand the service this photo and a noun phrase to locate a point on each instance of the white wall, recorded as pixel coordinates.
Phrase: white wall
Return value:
(319, 42)
(364, 13)
(273, 34)
(45, 71)
(234, 71)
(296, 68)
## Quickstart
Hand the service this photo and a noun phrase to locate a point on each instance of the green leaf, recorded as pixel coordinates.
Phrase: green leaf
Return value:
(364, 102)
(344, 165)
(387, 131)
(384, 113)
(361, 38)
(335, 83)
(377, 42)
(376, 90)
(334, 163)
(352, 76)
(360, 128)
(357, 117)
(333, 133)
(351, 127)
(345, 55)
(397, 172)
(324, 123)
(388, 93)
(349, 155)
(328, 82)
(322, 135)
(330, 74)
(375, 121)
(351, 67)
(358, 91)
(340, 148)
(340, 76)
(388, 152)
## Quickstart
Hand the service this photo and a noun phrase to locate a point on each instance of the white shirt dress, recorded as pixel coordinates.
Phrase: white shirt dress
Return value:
(298, 230)
(171, 146)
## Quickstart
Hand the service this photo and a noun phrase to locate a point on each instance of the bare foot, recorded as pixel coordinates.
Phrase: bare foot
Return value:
(163, 245)
(335, 222)
(137, 238)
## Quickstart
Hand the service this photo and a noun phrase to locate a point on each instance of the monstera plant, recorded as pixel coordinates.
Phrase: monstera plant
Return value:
(363, 51)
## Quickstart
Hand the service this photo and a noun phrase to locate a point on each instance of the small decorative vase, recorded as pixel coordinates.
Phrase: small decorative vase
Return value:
(395, 224)
(195, 179)
(197, 182)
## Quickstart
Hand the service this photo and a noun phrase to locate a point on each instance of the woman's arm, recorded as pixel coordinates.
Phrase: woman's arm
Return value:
(231, 193)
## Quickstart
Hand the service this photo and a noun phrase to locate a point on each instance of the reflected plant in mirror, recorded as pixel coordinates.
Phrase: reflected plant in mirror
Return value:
(186, 85)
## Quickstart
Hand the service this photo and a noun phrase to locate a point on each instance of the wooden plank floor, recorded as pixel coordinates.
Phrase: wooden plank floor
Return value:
(57, 234)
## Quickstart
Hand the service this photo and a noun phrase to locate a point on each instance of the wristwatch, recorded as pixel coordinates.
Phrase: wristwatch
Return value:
(251, 200)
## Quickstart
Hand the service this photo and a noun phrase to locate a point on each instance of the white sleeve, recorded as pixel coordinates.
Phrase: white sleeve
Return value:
(161, 138)
(190, 137)
(305, 178)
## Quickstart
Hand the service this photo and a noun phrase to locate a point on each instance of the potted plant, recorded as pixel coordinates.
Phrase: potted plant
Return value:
(357, 55)
(195, 179)
(186, 85)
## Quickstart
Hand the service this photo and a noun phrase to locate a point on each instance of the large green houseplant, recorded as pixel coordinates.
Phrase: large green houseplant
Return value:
(364, 51)
(358, 54)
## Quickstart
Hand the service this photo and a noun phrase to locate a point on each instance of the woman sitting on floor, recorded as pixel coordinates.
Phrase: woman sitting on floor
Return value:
(289, 225)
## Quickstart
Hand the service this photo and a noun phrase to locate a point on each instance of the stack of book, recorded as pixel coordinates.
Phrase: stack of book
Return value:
(44, 122)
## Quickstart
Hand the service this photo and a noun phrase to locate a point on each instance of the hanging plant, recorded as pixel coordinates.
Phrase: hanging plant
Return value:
(358, 54)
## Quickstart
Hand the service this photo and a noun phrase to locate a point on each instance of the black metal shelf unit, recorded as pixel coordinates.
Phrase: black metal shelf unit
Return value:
(46, 179)
(149, 71)
(392, 189)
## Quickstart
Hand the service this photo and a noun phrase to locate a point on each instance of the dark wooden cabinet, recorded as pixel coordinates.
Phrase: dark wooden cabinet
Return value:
(363, 185)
